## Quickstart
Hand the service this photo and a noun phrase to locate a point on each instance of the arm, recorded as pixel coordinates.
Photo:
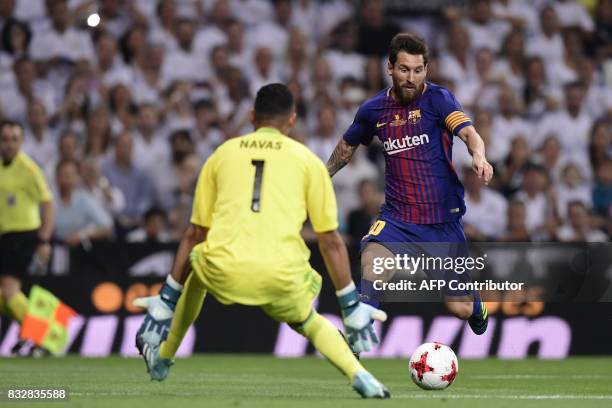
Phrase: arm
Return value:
(343, 153)
(476, 148)
(191, 237)
(336, 259)
(47, 217)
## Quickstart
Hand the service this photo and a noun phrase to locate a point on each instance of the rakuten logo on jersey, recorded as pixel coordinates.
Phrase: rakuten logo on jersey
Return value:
(406, 143)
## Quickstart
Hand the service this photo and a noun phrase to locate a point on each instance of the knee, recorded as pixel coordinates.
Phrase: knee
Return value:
(460, 309)
(301, 326)
(9, 286)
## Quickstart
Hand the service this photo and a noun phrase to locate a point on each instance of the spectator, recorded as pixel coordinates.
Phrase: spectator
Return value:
(516, 223)
(534, 193)
(134, 183)
(99, 187)
(456, 60)
(579, 228)
(572, 13)
(602, 191)
(572, 187)
(510, 175)
(342, 58)
(99, 135)
(214, 33)
(110, 69)
(323, 140)
(153, 229)
(600, 146)
(484, 30)
(239, 54)
(68, 149)
(374, 28)
(131, 43)
(209, 128)
(573, 119)
(361, 219)
(15, 36)
(263, 69)
(61, 44)
(486, 209)
(507, 125)
(273, 34)
(39, 141)
(162, 30)
(148, 83)
(79, 218)
(182, 197)
(184, 62)
(150, 147)
(548, 44)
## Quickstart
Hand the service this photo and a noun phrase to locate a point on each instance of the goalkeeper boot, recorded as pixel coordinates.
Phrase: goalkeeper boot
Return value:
(479, 319)
(369, 387)
(157, 367)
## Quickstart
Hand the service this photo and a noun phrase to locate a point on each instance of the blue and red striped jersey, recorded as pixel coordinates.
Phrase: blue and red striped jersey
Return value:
(421, 185)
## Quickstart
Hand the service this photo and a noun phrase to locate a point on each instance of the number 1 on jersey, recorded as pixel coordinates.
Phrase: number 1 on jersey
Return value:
(259, 167)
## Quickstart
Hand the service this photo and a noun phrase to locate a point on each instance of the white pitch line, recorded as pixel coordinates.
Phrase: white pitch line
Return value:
(539, 376)
(505, 397)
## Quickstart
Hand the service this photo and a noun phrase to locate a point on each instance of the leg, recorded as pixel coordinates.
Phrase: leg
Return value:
(14, 303)
(371, 252)
(159, 358)
(469, 308)
(460, 307)
(297, 311)
(187, 310)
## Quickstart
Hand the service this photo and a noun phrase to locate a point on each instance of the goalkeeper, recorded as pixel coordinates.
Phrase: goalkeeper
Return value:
(244, 246)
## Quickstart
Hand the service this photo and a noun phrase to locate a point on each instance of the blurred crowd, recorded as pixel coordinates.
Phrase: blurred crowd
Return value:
(122, 102)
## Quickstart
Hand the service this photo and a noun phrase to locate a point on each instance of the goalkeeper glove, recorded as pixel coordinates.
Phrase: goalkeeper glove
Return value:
(160, 309)
(357, 318)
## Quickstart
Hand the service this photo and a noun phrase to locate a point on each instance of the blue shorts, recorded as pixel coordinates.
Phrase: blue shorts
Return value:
(444, 240)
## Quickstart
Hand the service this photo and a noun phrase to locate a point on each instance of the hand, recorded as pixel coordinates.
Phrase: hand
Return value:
(160, 310)
(43, 253)
(357, 318)
(482, 168)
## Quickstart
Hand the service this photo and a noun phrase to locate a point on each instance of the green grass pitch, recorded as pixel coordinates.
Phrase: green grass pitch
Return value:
(264, 381)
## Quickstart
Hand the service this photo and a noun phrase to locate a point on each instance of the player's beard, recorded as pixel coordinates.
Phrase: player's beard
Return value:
(405, 94)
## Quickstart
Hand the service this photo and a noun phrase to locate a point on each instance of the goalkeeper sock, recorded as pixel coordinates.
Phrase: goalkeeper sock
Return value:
(17, 306)
(187, 310)
(367, 293)
(328, 341)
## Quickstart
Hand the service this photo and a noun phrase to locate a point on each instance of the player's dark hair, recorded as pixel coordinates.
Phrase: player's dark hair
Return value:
(9, 122)
(272, 101)
(410, 43)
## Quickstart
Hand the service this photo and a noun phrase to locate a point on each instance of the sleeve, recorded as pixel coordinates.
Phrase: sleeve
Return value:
(41, 190)
(360, 131)
(320, 198)
(205, 194)
(450, 112)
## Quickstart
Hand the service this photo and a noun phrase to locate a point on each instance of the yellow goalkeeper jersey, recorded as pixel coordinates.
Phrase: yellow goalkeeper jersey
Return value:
(254, 194)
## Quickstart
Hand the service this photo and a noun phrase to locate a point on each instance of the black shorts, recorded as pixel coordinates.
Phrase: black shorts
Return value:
(16, 253)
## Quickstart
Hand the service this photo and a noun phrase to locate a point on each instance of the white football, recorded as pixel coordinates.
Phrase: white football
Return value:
(433, 366)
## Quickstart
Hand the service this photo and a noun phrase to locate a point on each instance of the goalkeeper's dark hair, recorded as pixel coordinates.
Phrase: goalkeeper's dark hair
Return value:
(410, 43)
(273, 101)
